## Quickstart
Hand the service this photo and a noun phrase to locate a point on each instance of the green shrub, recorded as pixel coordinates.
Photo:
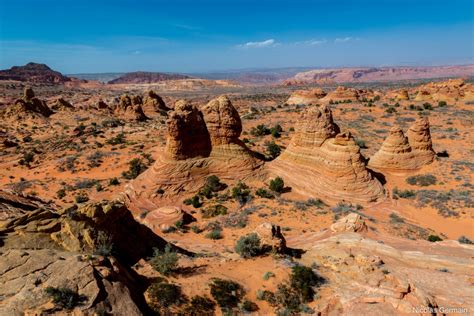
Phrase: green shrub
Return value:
(165, 261)
(241, 193)
(302, 279)
(268, 275)
(82, 198)
(215, 234)
(427, 106)
(277, 185)
(248, 306)
(434, 238)
(61, 193)
(465, 240)
(195, 201)
(276, 131)
(248, 246)
(135, 167)
(260, 130)
(226, 293)
(405, 194)
(422, 180)
(214, 210)
(65, 298)
(442, 104)
(273, 150)
(164, 295)
(264, 194)
(114, 181)
(28, 158)
(200, 305)
(116, 140)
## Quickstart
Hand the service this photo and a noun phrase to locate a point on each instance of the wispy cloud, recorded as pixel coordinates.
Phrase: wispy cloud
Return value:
(346, 39)
(266, 43)
(312, 42)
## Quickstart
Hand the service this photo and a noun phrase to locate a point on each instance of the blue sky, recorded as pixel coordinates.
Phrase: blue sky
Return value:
(76, 36)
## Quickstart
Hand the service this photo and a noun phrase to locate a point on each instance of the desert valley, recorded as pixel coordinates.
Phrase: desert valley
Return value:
(345, 191)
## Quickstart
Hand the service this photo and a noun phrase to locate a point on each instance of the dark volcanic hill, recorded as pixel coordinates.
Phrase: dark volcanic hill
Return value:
(33, 72)
(147, 77)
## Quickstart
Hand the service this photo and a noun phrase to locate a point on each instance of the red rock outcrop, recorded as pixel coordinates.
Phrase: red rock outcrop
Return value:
(271, 237)
(419, 138)
(321, 162)
(306, 97)
(27, 107)
(199, 143)
(130, 108)
(62, 105)
(350, 223)
(342, 94)
(399, 153)
(451, 90)
(153, 103)
(398, 95)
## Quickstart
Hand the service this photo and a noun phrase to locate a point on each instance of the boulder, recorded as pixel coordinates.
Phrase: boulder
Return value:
(306, 97)
(350, 223)
(271, 237)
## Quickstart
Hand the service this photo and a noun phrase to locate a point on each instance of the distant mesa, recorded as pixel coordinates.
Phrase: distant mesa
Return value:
(400, 153)
(377, 74)
(323, 162)
(35, 73)
(140, 77)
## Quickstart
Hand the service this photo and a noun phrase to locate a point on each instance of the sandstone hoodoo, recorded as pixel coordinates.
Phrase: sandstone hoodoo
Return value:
(419, 138)
(322, 162)
(306, 97)
(399, 152)
(199, 143)
(130, 108)
(28, 106)
(153, 103)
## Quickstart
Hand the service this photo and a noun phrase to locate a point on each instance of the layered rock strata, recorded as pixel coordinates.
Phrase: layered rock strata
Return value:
(399, 152)
(199, 143)
(306, 97)
(322, 162)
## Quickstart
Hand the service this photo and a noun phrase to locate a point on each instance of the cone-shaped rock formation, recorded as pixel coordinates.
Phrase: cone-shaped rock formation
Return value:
(153, 103)
(130, 108)
(321, 162)
(399, 153)
(199, 143)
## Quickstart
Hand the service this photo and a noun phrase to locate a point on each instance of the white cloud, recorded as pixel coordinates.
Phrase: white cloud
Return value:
(342, 39)
(266, 43)
(346, 39)
(312, 42)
